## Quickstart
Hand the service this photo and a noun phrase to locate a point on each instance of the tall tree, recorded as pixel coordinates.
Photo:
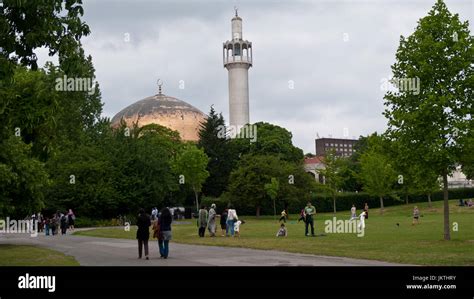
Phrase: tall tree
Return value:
(430, 119)
(377, 174)
(270, 139)
(332, 175)
(222, 156)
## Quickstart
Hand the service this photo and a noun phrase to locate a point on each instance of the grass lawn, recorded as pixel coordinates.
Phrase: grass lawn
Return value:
(421, 244)
(25, 255)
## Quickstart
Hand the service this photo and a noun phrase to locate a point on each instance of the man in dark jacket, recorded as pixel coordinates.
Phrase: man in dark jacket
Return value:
(143, 232)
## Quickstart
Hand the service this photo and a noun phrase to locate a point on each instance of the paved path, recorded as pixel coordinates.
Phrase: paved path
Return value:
(93, 251)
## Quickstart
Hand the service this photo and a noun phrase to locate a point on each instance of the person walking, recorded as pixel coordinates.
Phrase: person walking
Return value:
(46, 226)
(154, 214)
(202, 221)
(366, 210)
(164, 238)
(231, 219)
(211, 222)
(143, 232)
(362, 218)
(63, 223)
(223, 222)
(309, 211)
(416, 215)
(70, 219)
(302, 216)
(283, 216)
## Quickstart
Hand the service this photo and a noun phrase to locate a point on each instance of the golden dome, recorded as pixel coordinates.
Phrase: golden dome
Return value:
(166, 111)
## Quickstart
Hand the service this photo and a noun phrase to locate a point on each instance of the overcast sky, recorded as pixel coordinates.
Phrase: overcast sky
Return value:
(335, 52)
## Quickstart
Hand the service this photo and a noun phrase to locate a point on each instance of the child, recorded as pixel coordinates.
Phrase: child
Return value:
(283, 216)
(416, 215)
(237, 227)
(302, 216)
(282, 232)
(353, 212)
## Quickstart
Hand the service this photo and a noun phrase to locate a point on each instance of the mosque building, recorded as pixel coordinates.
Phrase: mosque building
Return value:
(183, 117)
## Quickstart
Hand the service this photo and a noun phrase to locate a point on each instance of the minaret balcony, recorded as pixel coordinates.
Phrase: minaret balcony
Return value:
(237, 59)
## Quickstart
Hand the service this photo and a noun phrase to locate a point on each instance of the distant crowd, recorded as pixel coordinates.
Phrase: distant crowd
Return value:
(58, 223)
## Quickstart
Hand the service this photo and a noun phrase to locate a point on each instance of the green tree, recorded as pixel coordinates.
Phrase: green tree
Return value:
(272, 192)
(270, 140)
(22, 179)
(191, 165)
(222, 156)
(332, 175)
(377, 174)
(247, 182)
(431, 120)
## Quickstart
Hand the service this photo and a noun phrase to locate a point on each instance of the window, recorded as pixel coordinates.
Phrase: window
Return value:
(350, 145)
(327, 144)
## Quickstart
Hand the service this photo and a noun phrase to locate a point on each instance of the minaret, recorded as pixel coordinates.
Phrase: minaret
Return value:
(237, 57)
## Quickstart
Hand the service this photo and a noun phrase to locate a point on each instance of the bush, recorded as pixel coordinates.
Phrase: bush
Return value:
(87, 222)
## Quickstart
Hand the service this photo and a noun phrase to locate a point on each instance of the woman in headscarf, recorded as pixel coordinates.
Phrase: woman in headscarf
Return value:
(202, 221)
(211, 223)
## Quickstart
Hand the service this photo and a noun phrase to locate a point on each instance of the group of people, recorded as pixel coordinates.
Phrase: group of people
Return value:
(161, 222)
(228, 220)
(58, 223)
(465, 203)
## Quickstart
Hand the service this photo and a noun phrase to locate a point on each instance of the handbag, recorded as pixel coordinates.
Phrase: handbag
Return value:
(156, 229)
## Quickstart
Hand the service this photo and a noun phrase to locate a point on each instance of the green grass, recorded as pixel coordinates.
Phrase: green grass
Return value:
(421, 244)
(25, 255)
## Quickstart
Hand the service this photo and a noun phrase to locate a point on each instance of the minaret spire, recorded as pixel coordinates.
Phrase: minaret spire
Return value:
(237, 56)
(159, 82)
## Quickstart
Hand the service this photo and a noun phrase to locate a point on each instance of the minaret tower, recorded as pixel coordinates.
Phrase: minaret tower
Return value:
(237, 57)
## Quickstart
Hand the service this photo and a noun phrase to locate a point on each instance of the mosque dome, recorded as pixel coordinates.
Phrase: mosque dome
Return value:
(163, 110)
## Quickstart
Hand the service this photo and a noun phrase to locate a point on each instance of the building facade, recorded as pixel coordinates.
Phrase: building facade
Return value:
(342, 147)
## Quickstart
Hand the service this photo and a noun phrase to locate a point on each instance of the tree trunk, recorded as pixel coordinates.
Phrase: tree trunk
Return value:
(406, 198)
(429, 200)
(381, 204)
(274, 210)
(258, 211)
(334, 203)
(197, 202)
(447, 233)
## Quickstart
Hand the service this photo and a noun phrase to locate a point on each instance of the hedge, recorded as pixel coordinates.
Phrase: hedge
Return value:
(344, 201)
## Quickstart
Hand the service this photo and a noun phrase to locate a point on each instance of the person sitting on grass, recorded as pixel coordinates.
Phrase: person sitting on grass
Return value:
(237, 227)
(416, 215)
(469, 203)
(282, 232)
